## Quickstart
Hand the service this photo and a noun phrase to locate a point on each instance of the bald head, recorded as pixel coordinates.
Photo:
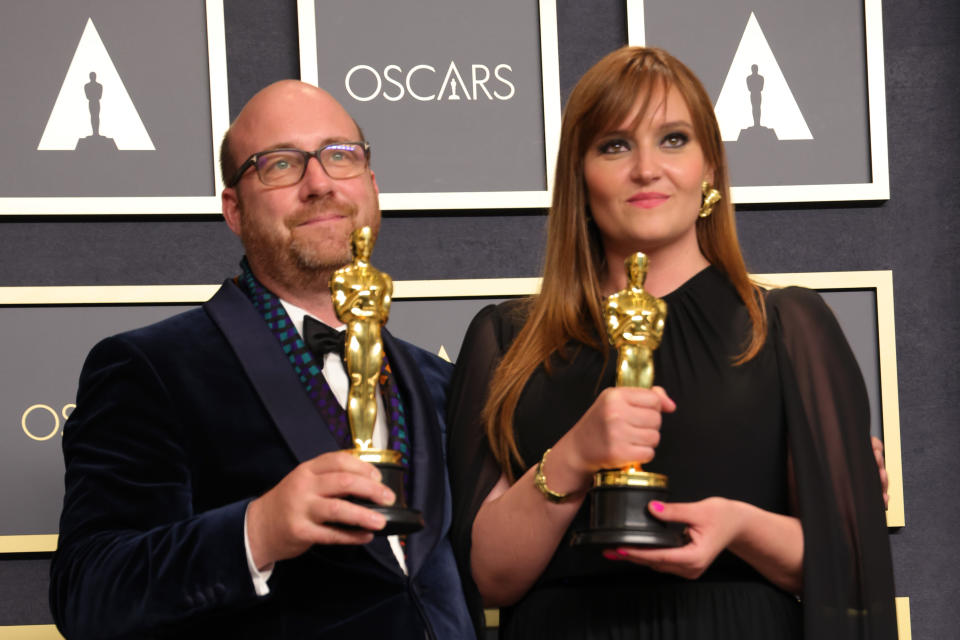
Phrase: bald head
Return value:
(269, 106)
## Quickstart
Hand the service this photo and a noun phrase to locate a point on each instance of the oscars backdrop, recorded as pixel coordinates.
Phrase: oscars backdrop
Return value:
(837, 117)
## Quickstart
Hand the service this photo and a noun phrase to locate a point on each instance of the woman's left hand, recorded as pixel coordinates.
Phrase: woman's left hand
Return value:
(711, 526)
(877, 446)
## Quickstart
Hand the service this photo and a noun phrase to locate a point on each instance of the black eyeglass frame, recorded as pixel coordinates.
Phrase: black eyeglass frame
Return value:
(252, 161)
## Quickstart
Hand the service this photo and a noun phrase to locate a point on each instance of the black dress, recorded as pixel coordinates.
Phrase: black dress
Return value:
(730, 436)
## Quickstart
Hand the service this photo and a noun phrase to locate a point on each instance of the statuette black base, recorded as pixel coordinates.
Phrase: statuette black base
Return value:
(401, 519)
(619, 517)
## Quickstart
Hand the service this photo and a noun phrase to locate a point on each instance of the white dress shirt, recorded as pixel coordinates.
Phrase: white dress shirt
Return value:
(336, 376)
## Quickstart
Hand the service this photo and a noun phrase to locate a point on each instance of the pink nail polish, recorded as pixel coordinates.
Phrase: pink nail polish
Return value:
(611, 555)
(656, 505)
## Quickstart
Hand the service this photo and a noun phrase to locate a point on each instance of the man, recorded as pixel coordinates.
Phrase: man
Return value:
(205, 486)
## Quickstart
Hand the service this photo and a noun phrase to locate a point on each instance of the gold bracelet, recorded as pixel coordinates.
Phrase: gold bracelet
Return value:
(540, 482)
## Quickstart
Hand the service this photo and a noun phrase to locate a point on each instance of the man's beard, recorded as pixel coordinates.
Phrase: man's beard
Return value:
(298, 261)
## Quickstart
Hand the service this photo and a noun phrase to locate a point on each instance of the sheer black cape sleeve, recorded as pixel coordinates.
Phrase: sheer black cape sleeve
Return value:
(847, 572)
(473, 469)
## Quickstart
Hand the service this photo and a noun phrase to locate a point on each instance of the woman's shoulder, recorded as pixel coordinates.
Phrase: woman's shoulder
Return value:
(797, 304)
(502, 321)
(803, 320)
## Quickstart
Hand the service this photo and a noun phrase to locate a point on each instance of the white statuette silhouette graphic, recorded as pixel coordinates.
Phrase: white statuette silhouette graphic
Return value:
(743, 94)
(93, 95)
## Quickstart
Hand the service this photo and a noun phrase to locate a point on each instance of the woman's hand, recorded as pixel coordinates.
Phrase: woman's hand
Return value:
(877, 445)
(621, 426)
(712, 524)
(771, 543)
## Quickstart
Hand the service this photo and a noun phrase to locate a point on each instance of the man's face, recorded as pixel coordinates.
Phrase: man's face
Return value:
(295, 234)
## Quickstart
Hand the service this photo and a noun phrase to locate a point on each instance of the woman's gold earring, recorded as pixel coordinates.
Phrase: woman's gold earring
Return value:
(710, 198)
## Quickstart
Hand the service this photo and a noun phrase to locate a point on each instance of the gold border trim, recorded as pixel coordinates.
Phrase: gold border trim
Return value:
(903, 618)
(28, 544)
(30, 632)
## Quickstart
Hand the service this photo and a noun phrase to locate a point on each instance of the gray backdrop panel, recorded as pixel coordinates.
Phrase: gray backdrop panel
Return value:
(820, 47)
(160, 52)
(42, 351)
(440, 145)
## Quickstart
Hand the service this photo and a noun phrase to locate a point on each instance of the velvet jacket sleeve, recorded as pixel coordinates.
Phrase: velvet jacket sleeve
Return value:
(134, 553)
(848, 575)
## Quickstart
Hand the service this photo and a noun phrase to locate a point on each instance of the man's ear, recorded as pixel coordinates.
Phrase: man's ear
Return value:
(373, 179)
(230, 205)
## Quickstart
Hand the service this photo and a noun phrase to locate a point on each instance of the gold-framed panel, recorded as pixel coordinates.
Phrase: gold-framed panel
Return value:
(550, 88)
(878, 186)
(879, 281)
(83, 296)
(125, 205)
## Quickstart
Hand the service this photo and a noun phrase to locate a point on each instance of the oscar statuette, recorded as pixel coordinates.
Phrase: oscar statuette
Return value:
(619, 497)
(361, 299)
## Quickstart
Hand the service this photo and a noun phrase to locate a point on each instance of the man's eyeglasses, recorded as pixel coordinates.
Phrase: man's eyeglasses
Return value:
(285, 167)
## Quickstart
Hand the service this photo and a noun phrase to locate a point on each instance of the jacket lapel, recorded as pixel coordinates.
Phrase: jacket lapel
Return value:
(270, 372)
(301, 425)
(428, 492)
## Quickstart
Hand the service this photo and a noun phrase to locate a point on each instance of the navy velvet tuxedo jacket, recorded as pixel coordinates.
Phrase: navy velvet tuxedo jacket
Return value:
(178, 426)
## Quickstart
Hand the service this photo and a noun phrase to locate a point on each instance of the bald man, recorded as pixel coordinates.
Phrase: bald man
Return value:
(207, 493)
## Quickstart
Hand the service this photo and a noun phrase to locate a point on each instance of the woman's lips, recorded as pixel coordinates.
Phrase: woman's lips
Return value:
(648, 200)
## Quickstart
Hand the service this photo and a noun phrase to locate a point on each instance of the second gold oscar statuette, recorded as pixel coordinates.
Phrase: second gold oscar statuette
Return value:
(618, 500)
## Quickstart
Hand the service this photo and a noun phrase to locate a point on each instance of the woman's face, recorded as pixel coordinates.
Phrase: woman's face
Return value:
(643, 180)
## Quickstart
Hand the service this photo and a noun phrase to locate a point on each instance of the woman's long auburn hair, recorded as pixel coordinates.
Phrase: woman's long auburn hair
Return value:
(568, 306)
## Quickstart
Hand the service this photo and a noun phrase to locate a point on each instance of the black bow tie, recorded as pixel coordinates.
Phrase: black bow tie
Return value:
(322, 339)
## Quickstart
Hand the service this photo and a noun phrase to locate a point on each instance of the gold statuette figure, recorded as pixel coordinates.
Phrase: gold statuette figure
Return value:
(635, 320)
(361, 298)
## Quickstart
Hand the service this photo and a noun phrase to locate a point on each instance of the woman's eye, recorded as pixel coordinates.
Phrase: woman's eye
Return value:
(614, 146)
(675, 140)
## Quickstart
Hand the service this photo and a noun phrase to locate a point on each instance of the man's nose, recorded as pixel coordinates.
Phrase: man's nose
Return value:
(315, 181)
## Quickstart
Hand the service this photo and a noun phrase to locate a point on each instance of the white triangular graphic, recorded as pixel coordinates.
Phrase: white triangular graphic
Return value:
(443, 354)
(450, 82)
(70, 119)
(778, 108)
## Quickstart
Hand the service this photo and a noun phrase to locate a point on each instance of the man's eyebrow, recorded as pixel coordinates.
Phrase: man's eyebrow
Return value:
(323, 143)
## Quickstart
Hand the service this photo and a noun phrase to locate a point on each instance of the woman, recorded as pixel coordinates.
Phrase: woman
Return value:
(759, 416)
